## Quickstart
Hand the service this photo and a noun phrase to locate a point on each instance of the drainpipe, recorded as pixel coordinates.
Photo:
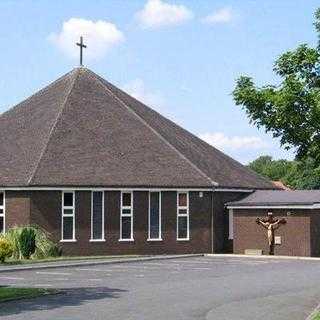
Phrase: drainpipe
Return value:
(212, 222)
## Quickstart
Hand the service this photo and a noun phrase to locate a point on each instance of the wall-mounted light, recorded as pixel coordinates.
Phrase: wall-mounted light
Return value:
(200, 194)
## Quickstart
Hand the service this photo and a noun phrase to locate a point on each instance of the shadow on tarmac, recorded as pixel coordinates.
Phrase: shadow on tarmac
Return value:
(65, 297)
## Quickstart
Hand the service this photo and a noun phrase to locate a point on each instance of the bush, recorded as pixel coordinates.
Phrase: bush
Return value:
(44, 246)
(27, 242)
(5, 249)
(21, 239)
(13, 236)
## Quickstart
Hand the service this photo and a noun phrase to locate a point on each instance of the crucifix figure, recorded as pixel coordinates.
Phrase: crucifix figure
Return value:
(81, 45)
(271, 224)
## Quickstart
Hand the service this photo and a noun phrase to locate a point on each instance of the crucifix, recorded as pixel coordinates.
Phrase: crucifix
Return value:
(271, 224)
(81, 45)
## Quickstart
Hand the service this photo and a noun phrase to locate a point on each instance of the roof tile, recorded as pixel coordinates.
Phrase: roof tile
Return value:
(83, 131)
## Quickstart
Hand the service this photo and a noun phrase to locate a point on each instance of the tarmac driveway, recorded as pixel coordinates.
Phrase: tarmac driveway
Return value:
(185, 288)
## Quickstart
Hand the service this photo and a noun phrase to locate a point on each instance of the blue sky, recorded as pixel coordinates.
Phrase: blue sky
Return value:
(179, 56)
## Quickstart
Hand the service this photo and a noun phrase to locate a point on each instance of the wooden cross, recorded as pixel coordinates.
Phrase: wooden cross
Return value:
(81, 45)
(271, 224)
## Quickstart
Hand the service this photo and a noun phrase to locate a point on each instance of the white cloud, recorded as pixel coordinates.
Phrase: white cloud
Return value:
(157, 13)
(138, 90)
(99, 36)
(221, 141)
(223, 15)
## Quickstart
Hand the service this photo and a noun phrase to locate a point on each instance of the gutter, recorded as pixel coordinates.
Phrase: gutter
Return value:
(285, 206)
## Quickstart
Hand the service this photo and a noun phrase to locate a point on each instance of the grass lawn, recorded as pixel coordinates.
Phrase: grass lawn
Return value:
(10, 293)
(316, 316)
(66, 258)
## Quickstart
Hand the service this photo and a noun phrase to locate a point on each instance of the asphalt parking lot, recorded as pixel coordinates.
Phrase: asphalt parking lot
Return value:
(184, 288)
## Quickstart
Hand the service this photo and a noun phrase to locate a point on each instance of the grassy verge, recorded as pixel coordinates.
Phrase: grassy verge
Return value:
(316, 316)
(65, 258)
(10, 293)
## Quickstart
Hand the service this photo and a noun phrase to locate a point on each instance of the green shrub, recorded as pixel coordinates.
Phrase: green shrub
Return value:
(5, 249)
(44, 247)
(27, 242)
(13, 236)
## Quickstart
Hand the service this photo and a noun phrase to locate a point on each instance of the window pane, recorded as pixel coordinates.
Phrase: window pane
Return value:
(182, 227)
(68, 199)
(126, 228)
(183, 211)
(126, 211)
(1, 211)
(1, 224)
(1, 199)
(154, 215)
(68, 212)
(182, 200)
(67, 228)
(126, 199)
(97, 215)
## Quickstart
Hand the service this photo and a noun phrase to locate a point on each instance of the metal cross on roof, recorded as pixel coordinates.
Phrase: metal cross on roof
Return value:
(81, 45)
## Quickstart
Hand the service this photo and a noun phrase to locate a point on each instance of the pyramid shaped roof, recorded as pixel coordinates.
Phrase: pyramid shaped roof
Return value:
(83, 131)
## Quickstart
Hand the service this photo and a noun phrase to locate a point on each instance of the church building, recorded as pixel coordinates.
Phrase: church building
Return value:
(105, 174)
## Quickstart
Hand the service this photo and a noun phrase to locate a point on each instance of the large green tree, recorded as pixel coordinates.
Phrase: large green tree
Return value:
(295, 174)
(289, 110)
(273, 169)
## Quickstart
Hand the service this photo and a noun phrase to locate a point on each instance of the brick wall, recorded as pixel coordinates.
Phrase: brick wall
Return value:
(315, 232)
(221, 243)
(44, 209)
(46, 212)
(200, 211)
(295, 234)
(17, 208)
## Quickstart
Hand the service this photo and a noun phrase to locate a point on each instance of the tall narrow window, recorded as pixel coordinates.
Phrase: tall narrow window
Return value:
(182, 216)
(154, 216)
(68, 213)
(126, 214)
(231, 224)
(2, 213)
(97, 216)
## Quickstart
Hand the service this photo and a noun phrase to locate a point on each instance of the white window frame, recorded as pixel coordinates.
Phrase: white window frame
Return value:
(149, 212)
(68, 215)
(103, 214)
(183, 215)
(122, 208)
(230, 224)
(3, 207)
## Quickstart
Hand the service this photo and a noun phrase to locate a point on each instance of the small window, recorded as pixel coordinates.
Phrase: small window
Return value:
(97, 215)
(2, 213)
(183, 232)
(126, 199)
(68, 199)
(154, 216)
(68, 228)
(183, 199)
(126, 228)
(182, 227)
(126, 215)
(68, 216)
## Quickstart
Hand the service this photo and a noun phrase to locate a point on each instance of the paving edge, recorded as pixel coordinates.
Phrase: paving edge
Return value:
(313, 313)
(230, 255)
(53, 265)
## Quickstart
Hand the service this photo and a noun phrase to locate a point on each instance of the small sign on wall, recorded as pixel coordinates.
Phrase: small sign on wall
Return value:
(277, 240)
